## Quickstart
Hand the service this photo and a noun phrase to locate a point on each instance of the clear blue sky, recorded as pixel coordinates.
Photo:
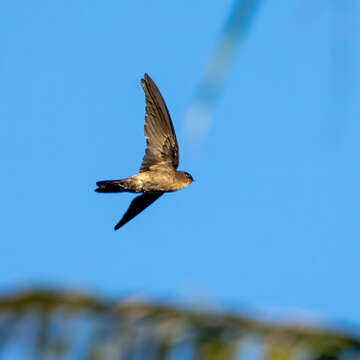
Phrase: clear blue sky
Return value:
(272, 220)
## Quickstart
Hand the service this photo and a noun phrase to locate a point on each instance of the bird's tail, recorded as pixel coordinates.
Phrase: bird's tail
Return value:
(111, 186)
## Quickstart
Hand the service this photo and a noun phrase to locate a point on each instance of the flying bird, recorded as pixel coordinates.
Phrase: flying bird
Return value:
(158, 172)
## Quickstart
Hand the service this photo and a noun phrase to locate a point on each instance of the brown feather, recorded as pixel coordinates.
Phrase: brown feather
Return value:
(162, 146)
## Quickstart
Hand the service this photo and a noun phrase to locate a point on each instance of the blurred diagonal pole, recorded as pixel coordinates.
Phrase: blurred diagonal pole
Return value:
(199, 117)
(343, 26)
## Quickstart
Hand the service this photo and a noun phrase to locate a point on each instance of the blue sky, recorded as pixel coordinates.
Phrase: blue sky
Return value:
(272, 220)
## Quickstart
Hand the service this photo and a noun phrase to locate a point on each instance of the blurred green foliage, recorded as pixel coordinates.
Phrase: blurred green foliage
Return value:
(43, 324)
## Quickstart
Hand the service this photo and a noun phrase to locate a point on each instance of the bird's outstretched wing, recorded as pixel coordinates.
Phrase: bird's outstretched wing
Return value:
(137, 206)
(162, 147)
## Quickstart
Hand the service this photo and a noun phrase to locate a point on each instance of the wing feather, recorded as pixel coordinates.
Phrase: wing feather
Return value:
(139, 204)
(162, 146)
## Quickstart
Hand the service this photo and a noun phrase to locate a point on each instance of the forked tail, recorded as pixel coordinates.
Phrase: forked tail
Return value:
(110, 186)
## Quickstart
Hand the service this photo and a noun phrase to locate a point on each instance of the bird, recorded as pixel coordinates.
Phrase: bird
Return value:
(158, 171)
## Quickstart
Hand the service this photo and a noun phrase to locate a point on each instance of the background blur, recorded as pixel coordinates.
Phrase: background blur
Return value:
(271, 222)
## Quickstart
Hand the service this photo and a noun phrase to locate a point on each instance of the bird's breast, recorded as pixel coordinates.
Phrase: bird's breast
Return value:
(165, 181)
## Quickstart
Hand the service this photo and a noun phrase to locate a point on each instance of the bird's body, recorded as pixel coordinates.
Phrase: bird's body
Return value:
(158, 172)
(164, 180)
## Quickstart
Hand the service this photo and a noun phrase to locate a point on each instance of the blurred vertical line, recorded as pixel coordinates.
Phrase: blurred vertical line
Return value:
(199, 116)
(343, 14)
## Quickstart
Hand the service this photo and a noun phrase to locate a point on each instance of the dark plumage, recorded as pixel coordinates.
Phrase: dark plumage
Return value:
(158, 172)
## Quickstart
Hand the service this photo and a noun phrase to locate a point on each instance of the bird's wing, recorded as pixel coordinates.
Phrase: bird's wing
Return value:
(162, 147)
(137, 206)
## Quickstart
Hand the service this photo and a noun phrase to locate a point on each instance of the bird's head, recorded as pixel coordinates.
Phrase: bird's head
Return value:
(188, 177)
